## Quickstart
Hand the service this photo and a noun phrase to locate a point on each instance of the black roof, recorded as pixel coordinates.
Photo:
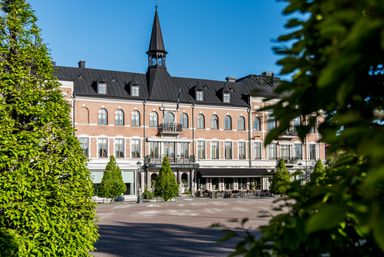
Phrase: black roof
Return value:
(158, 85)
(156, 43)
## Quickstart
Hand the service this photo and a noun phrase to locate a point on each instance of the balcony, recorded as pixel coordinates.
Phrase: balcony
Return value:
(289, 134)
(177, 162)
(170, 129)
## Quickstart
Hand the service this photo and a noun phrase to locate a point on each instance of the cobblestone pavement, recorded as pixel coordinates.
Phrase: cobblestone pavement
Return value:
(174, 229)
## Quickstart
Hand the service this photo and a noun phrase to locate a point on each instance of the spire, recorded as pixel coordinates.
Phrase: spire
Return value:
(156, 52)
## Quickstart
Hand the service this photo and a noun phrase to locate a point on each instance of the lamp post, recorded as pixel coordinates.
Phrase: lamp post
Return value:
(139, 198)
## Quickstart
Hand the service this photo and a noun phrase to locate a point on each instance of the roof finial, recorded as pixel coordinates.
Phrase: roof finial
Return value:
(157, 4)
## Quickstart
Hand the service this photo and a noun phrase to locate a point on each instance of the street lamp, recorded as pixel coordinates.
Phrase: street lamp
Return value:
(139, 198)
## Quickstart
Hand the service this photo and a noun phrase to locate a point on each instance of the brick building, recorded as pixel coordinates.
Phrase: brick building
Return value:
(212, 131)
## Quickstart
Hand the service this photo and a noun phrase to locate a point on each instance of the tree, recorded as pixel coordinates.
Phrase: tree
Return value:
(46, 206)
(166, 186)
(334, 56)
(280, 181)
(112, 184)
(318, 173)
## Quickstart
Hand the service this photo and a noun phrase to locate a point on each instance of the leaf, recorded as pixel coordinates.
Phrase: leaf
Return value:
(329, 216)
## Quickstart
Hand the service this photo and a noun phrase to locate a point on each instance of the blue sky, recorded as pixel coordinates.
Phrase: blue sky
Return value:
(209, 39)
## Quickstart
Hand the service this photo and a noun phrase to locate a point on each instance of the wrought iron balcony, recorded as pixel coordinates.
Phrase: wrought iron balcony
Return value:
(180, 161)
(170, 128)
(289, 134)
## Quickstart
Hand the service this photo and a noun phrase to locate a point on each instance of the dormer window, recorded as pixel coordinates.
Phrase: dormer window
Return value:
(226, 97)
(134, 90)
(102, 88)
(199, 96)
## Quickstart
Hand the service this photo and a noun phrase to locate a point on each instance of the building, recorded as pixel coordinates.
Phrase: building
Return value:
(212, 131)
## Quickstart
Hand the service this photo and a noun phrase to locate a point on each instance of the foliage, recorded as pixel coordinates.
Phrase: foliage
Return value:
(318, 173)
(112, 184)
(166, 186)
(148, 194)
(46, 206)
(280, 181)
(335, 55)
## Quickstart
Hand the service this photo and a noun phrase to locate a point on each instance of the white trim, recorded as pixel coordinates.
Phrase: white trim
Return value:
(160, 139)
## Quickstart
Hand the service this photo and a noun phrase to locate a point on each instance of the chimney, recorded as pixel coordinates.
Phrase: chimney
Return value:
(230, 79)
(267, 73)
(82, 64)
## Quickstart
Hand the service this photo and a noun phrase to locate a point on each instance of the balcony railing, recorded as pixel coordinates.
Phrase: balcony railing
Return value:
(289, 133)
(180, 161)
(170, 128)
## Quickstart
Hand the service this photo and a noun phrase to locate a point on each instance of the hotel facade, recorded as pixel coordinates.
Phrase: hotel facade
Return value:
(213, 132)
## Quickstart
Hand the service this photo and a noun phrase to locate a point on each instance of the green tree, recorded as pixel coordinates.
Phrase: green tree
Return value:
(318, 173)
(46, 206)
(166, 186)
(112, 184)
(334, 55)
(281, 180)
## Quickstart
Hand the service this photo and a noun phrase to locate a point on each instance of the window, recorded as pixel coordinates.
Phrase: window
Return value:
(154, 150)
(184, 152)
(102, 88)
(228, 150)
(102, 117)
(103, 147)
(284, 152)
(313, 129)
(271, 123)
(119, 118)
(169, 118)
(226, 97)
(200, 149)
(214, 122)
(227, 122)
(312, 151)
(135, 148)
(184, 120)
(242, 150)
(214, 150)
(199, 95)
(257, 124)
(271, 148)
(257, 150)
(135, 118)
(296, 122)
(119, 148)
(134, 90)
(241, 124)
(84, 144)
(298, 151)
(201, 121)
(153, 119)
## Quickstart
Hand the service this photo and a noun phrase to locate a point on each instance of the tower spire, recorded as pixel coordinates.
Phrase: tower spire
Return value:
(156, 52)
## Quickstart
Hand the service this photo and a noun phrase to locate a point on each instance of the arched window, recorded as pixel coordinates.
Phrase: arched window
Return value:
(135, 118)
(257, 124)
(102, 117)
(227, 122)
(119, 118)
(169, 118)
(214, 122)
(153, 119)
(241, 124)
(200, 121)
(184, 120)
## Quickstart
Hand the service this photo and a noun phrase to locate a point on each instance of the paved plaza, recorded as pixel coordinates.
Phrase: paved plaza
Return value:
(180, 228)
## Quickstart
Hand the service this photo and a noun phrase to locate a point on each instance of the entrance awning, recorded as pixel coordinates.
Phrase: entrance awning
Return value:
(234, 172)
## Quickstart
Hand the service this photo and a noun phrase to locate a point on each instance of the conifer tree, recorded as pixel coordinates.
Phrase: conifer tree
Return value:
(318, 173)
(281, 179)
(166, 186)
(112, 184)
(46, 206)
